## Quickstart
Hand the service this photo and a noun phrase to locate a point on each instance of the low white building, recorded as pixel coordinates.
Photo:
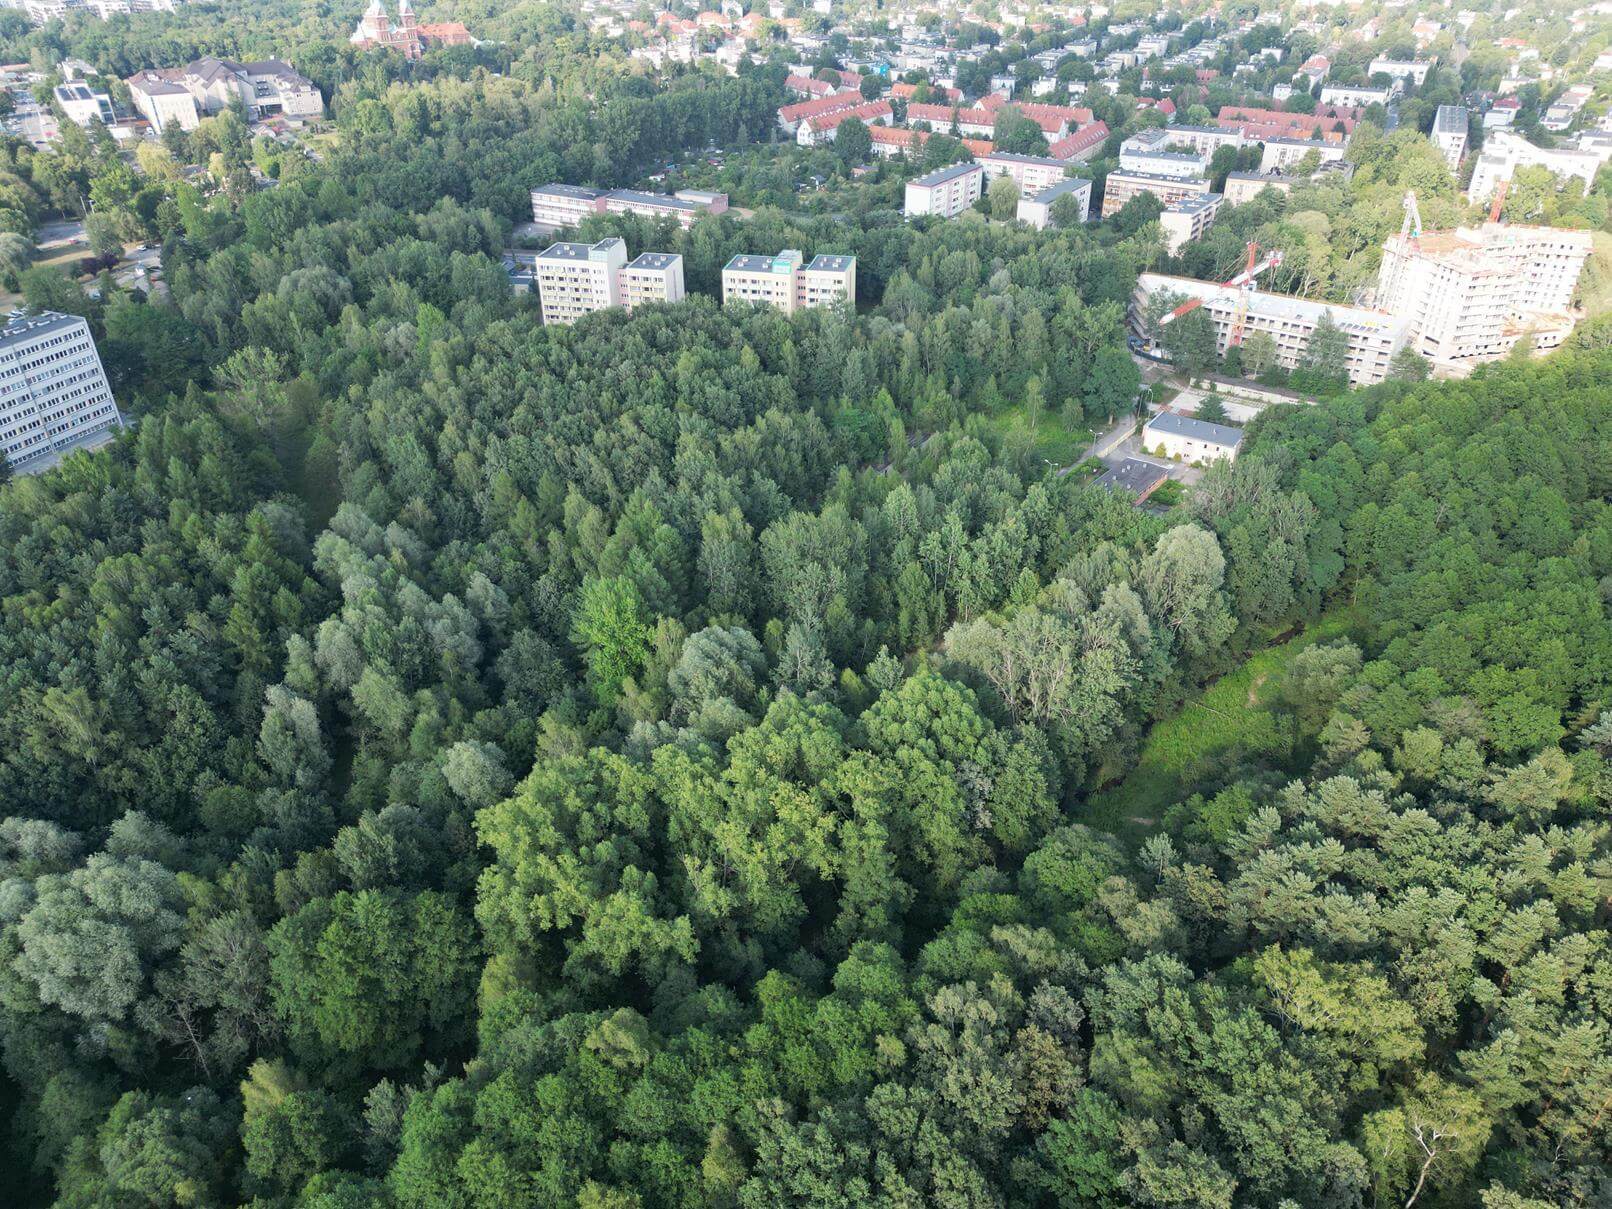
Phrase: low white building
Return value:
(83, 104)
(1504, 151)
(1280, 154)
(1036, 210)
(1413, 71)
(1360, 95)
(1168, 435)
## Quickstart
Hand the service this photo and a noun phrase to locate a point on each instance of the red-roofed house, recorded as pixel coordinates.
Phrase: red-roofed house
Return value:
(809, 86)
(814, 131)
(791, 116)
(1082, 144)
(906, 91)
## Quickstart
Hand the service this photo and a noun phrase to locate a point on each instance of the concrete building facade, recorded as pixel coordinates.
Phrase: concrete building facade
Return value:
(786, 281)
(1121, 187)
(1187, 218)
(1036, 210)
(651, 277)
(1373, 337)
(946, 192)
(1471, 294)
(1033, 173)
(1450, 133)
(576, 279)
(53, 389)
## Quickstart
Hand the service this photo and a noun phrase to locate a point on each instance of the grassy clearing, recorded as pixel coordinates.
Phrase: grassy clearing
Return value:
(1054, 439)
(1237, 716)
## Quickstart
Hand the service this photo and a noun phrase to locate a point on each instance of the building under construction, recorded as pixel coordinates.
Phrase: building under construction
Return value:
(1374, 337)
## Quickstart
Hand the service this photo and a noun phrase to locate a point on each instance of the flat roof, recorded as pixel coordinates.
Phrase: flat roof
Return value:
(831, 263)
(1183, 157)
(577, 191)
(1450, 119)
(1013, 157)
(1052, 193)
(749, 262)
(654, 260)
(578, 251)
(1193, 203)
(34, 325)
(1133, 476)
(941, 175)
(659, 200)
(1199, 430)
(1163, 177)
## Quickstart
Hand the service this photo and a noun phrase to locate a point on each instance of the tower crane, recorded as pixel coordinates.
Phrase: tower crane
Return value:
(1499, 199)
(1243, 283)
(1412, 226)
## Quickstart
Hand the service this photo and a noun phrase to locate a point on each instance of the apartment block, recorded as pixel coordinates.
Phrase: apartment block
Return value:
(1246, 186)
(1146, 154)
(945, 193)
(1357, 95)
(1121, 187)
(651, 277)
(555, 205)
(787, 282)
(1081, 145)
(1471, 294)
(1033, 173)
(1203, 140)
(1450, 133)
(1374, 337)
(1281, 154)
(1187, 218)
(576, 279)
(1504, 151)
(53, 389)
(1402, 71)
(1036, 210)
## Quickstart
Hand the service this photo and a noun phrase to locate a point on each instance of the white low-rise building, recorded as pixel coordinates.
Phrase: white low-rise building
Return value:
(1360, 95)
(84, 105)
(1504, 151)
(1168, 435)
(1187, 218)
(1036, 210)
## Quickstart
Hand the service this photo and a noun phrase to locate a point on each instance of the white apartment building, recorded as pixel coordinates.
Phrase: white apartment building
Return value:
(1244, 187)
(1402, 70)
(1450, 133)
(53, 390)
(1470, 294)
(576, 279)
(84, 104)
(1354, 94)
(1373, 336)
(785, 282)
(1204, 140)
(946, 192)
(1121, 187)
(1187, 218)
(1504, 151)
(1036, 210)
(1280, 154)
(1168, 435)
(555, 205)
(1032, 173)
(1145, 154)
(651, 277)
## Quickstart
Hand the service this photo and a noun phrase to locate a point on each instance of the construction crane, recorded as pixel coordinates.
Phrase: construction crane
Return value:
(1412, 226)
(1243, 283)
(1499, 199)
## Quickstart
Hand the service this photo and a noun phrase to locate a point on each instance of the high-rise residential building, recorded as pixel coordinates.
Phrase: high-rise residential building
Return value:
(1450, 133)
(946, 192)
(651, 277)
(1373, 337)
(1121, 187)
(53, 390)
(1187, 218)
(1036, 210)
(576, 279)
(1471, 294)
(787, 282)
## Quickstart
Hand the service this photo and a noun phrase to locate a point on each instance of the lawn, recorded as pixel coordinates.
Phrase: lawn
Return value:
(1238, 715)
(64, 258)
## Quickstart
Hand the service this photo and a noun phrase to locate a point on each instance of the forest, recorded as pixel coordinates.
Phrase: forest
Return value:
(448, 761)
